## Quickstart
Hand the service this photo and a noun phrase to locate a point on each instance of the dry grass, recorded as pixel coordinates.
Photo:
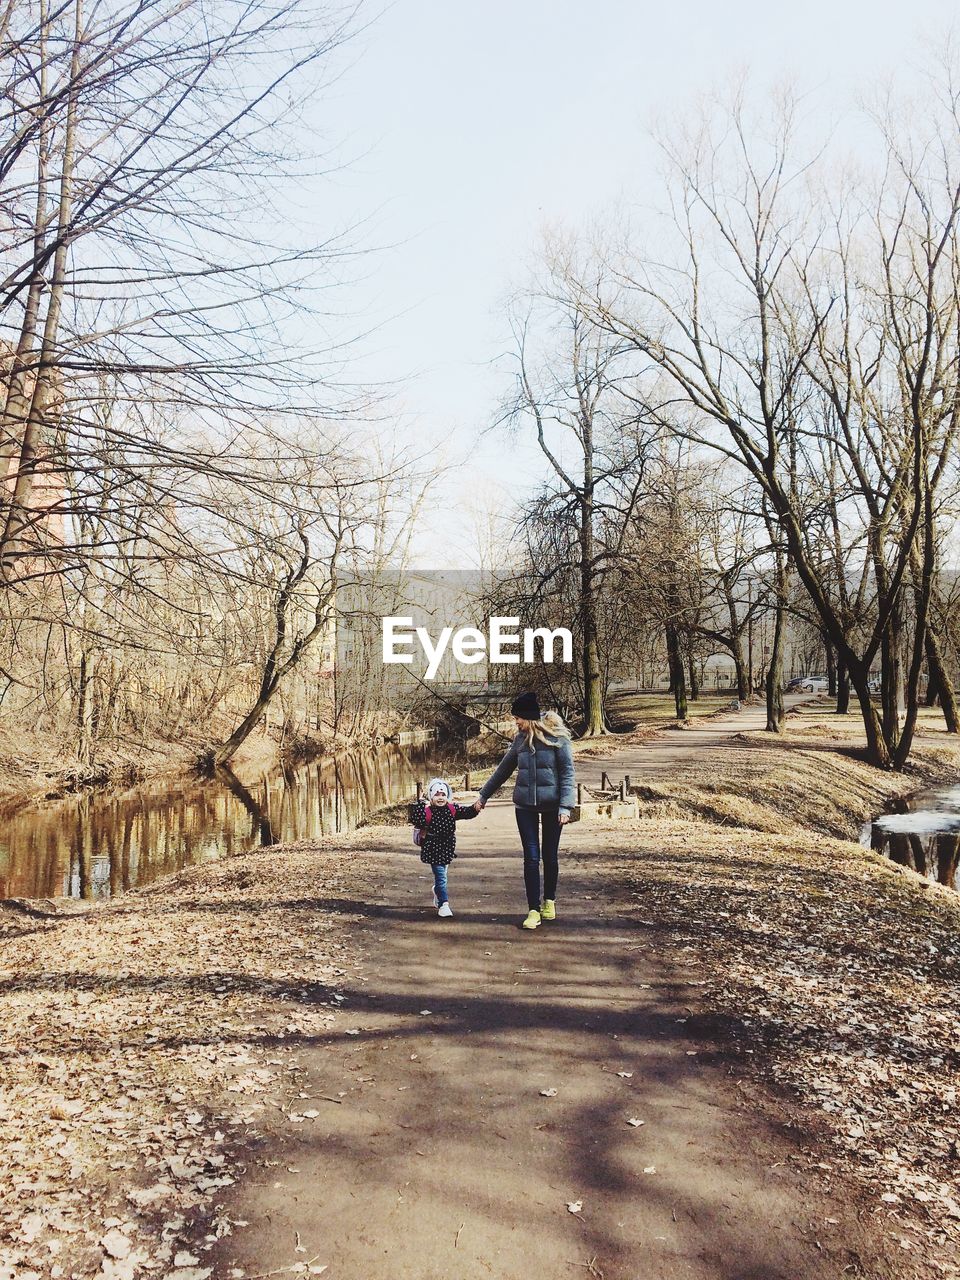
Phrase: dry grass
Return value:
(641, 710)
(34, 763)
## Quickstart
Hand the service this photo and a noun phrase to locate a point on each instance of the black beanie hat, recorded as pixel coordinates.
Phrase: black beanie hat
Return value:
(526, 706)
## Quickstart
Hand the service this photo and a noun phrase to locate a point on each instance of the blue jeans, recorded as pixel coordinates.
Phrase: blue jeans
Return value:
(440, 883)
(528, 824)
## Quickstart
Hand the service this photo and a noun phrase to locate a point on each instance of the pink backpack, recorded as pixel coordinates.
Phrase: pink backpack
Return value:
(419, 833)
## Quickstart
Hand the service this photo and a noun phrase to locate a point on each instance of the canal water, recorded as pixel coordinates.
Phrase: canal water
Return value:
(99, 843)
(922, 832)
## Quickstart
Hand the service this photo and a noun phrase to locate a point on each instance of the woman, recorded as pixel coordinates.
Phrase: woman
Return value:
(544, 794)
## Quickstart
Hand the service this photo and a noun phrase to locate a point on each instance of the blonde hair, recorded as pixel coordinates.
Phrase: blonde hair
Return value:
(548, 728)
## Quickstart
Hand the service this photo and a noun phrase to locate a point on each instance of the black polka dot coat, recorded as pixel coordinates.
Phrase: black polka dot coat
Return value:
(439, 846)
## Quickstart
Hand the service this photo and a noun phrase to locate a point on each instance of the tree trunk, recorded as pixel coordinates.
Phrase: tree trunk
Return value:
(736, 646)
(85, 709)
(227, 750)
(743, 681)
(774, 684)
(19, 517)
(831, 668)
(921, 612)
(17, 399)
(932, 695)
(593, 715)
(877, 751)
(694, 677)
(892, 692)
(677, 674)
(594, 722)
(939, 680)
(843, 688)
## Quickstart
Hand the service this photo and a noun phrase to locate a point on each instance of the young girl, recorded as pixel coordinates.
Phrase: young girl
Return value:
(544, 794)
(439, 842)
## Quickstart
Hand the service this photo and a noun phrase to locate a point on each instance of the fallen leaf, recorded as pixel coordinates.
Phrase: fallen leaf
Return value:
(31, 1226)
(116, 1244)
(574, 1206)
(148, 1197)
(117, 1269)
(548, 1093)
(635, 1123)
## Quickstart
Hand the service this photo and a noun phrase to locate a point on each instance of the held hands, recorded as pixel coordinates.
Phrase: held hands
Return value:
(480, 805)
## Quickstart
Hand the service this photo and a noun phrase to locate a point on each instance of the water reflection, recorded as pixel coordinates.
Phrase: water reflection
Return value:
(97, 844)
(921, 832)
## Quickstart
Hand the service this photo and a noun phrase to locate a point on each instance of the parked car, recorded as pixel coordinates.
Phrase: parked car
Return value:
(814, 684)
(793, 685)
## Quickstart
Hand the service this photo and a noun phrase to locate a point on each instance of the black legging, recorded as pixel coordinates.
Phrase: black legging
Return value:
(528, 824)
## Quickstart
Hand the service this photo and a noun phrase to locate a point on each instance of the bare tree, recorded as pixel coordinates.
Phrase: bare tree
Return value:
(570, 392)
(761, 314)
(163, 412)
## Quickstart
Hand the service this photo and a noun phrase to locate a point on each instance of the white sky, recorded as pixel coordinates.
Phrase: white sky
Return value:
(474, 126)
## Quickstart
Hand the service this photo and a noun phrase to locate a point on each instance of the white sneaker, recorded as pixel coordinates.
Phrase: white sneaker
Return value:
(436, 901)
(446, 911)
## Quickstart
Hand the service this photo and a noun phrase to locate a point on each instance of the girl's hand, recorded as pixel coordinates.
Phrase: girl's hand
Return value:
(479, 804)
(564, 819)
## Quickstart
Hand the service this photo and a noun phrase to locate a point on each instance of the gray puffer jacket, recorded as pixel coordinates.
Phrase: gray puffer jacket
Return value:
(544, 774)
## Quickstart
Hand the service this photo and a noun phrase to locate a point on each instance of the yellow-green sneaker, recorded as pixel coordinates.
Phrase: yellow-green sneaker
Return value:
(532, 921)
(549, 910)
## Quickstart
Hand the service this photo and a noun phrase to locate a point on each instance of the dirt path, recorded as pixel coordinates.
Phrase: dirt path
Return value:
(652, 759)
(435, 1153)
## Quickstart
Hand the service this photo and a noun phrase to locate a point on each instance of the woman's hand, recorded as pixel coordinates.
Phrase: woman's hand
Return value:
(479, 805)
(564, 818)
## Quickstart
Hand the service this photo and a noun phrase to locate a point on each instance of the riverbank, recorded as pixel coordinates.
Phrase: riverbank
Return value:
(35, 765)
(161, 1049)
